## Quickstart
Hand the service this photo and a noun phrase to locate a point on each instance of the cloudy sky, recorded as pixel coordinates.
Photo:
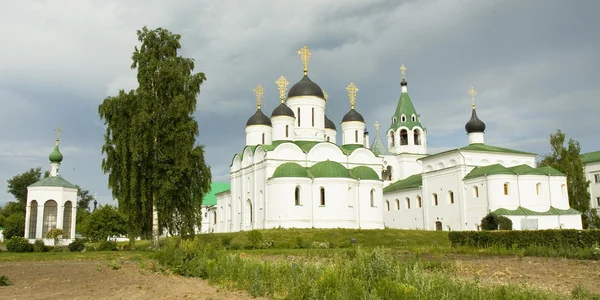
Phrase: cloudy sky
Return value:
(535, 64)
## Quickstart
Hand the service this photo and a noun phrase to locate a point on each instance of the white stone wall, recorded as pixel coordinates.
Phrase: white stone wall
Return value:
(398, 214)
(395, 145)
(353, 133)
(255, 134)
(280, 133)
(309, 125)
(548, 222)
(591, 170)
(42, 194)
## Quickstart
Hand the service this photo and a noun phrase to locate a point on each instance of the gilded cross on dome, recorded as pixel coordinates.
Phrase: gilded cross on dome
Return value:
(377, 125)
(352, 89)
(472, 92)
(403, 70)
(282, 84)
(58, 130)
(259, 91)
(305, 56)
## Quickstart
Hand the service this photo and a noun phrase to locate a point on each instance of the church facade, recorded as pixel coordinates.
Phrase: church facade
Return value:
(292, 174)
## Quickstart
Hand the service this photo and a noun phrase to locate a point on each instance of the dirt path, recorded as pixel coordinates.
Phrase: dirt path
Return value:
(96, 280)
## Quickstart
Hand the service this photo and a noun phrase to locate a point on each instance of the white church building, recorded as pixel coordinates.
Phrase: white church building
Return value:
(51, 203)
(292, 174)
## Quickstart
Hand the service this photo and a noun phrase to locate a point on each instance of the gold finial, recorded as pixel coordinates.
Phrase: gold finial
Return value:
(377, 125)
(351, 88)
(282, 84)
(403, 70)
(325, 94)
(305, 56)
(472, 92)
(259, 91)
(58, 130)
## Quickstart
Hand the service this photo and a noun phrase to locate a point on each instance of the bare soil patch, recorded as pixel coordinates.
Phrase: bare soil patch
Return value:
(96, 280)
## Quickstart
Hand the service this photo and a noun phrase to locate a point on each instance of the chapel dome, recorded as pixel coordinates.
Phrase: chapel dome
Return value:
(259, 118)
(474, 124)
(364, 173)
(282, 110)
(306, 87)
(55, 156)
(329, 124)
(329, 169)
(290, 169)
(353, 116)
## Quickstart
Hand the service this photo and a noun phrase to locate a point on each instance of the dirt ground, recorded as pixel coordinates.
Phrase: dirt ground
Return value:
(96, 280)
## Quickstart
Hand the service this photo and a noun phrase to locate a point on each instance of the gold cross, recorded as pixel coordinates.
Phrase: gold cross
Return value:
(282, 84)
(305, 56)
(325, 95)
(351, 88)
(403, 70)
(472, 92)
(377, 125)
(58, 130)
(258, 90)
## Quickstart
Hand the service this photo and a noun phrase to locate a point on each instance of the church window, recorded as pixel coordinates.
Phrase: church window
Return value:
(263, 138)
(49, 220)
(451, 197)
(417, 136)
(328, 139)
(356, 136)
(413, 118)
(67, 219)
(372, 197)
(322, 196)
(214, 217)
(563, 189)
(298, 116)
(387, 205)
(350, 197)
(397, 204)
(435, 199)
(597, 201)
(407, 200)
(33, 212)
(297, 196)
(506, 188)
(392, 138)
(394, 120)
(538, 188)
(419, 201)
(287, 130)
(475, 191)
(596, 178)
(313, 117)
(403, 118)
(248, 213)
(403, 137)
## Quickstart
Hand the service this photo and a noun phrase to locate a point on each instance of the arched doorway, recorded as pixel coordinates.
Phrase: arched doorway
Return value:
(49, 220)
(248, 214)
(438, 226)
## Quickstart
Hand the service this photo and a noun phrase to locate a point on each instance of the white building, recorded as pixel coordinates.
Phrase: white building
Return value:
(292, 174)
(591, 166)
(51, 203)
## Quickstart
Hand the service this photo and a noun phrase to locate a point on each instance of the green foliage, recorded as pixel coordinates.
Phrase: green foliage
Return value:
(568, 161)
(18, 244)
(55, 234)
(4, 281)
(494, 222)
(107, 246)
(255, 238)
(554, 238)
(84, 198)
(77, 245)
(150, 143)
(104, 222)
(39, 246)
(14, 225)
(504, 223)
(17, 185)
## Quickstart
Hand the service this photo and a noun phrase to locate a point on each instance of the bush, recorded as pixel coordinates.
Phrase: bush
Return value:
(494, 222)
(39, 246)
(19, 244)
(256, 239)
(14, 225)
(504, 223)
(552, 238)
(107, 246)
(77, 245)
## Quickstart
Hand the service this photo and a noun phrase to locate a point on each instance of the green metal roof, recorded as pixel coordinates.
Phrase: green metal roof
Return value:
(590, 157)
(215, 188)
(329, 169)
(489, 148)
(522, 211)
(305, 146)
(364, 173)
(55, 181)
(378, 147)
(290, 169)
(55, 156)
(410, 182)
(497, 169)
(405, 107)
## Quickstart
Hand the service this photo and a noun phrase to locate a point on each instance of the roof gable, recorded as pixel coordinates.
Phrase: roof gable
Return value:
(590, 157)
(498, 169)
(522, 211)
(54, 181)
(410, 182)
(215, 187)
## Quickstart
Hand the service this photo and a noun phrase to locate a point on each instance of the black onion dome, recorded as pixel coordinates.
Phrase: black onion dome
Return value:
(474, 125)
(403, 82)
(259, 118)
(329, 124)
(305, 87)
(353, 115)
(282, 110)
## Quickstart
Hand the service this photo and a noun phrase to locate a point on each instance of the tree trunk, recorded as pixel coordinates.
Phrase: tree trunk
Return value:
(155, 243)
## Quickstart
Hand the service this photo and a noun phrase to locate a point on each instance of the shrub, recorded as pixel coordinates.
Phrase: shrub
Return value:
(255, 238)
(39, 246)
(4, 281)
(107, 246)
(504, 223)
(552, 238)
(19, 244)
(77, 245)
(14, 225)
(494, 222)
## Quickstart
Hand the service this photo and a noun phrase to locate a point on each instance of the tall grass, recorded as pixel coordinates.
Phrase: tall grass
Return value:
(357, 273)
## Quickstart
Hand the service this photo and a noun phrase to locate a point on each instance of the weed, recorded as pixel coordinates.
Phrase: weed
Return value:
(113, 264)
(4, 281)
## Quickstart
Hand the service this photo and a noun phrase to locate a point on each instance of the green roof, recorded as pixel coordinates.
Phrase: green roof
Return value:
(522, 211)
(405, 107)
(590, 157)
(55, 181)
(364, 173)
(489, 148)
(378, 147)
(329, 169)
(497, 169)
(55, 156)
(305, 146)
(410, 182)
(290, 169)
(215, 188)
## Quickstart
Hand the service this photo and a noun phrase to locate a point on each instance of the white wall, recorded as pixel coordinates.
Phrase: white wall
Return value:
(403, 217)
(549, 222)
(591, 169)
(306, 130)
(353, 133)
(255, 133)
(394, 142)
(61, 195)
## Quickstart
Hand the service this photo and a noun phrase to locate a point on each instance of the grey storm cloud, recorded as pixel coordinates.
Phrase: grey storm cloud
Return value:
(535, 65)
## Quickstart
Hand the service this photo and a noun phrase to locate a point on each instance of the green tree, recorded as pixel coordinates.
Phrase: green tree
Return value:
(14, 225)
(83, 199)
(568, 160)
(104, 222)
(17, 185)
(156, 170)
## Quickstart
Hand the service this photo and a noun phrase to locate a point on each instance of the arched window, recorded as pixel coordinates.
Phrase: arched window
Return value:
(403, 137)
(417, 136)
(67, 219)
(392, 138)
(328, 139)
(413, 118)
(214, 217)
(538, 188)
(435, 199)
(322, 196)
(394, 120)
(407, 200)
(248, 212)
(563, 189)
(387, 205)
(372, 197)
(313, 117)
(263, 138)
(506, 188)
(451, 197)
(49, 220)
(287, 130)
(397, 204)
(298, 116)
(297, 196)
(33, 212)
(403, 118)
(475, 191)
(419, 201)
(350, 197)
(356, 136)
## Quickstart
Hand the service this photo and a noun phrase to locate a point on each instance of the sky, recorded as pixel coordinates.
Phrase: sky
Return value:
(535, 65)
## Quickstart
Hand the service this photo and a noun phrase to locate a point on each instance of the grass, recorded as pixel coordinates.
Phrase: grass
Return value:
(54, 256)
